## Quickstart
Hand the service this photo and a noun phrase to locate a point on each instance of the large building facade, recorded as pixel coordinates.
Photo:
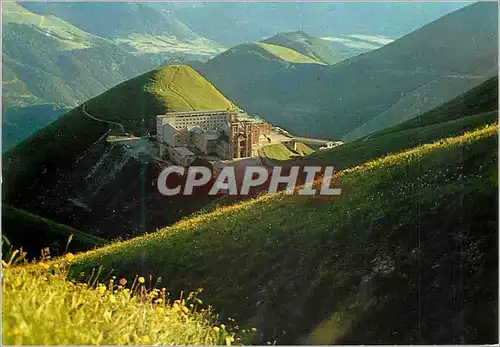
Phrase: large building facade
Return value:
(227, 134)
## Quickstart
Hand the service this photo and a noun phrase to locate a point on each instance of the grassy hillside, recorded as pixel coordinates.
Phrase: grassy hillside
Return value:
(348, 270)
(415, 103)
(287, 54)
(311, 46)
(67, 53)
(137, 28)
(58, 62)
(134, 103)
(33, 232)
(38, 297)
(20, 122)
(331, 101)
(476, 107)
(481, 99)
(114, 19)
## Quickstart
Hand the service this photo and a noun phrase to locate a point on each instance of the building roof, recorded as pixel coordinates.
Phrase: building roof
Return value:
(170, 126)
(195, 129)
(211, 135)
(194, 112)
(183, 151)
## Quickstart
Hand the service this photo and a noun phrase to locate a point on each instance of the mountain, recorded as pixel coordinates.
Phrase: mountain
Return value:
(61, 54)
(233, 23)
(31, 231)
(347, 46)
(19, 123)
(136, 27)
(432, 64)
(473, 109)
(349, 270)
(306, 44)
(48, 63)
(418, 210)
(99, 185)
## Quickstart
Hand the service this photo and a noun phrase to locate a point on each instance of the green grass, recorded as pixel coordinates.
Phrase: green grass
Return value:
(347, 270)
(134, 103)
(288, 54)
(180, 88)
(303, 149)
(66, 35)
(41, 307)
(311, 46)
(481, 99)
(276, 152)
(280, 152)
(357, 152)
(33, 232)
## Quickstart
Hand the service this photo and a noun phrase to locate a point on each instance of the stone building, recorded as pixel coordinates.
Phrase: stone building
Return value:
(228, 134)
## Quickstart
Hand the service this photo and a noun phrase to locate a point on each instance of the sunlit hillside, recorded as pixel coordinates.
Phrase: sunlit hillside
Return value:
(353, 264)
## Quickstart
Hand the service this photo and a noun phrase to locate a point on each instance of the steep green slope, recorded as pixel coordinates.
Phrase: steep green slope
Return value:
(33, 233)
(58, 62)
(311, 46)
(287, 54)
(151, 33)
(476, 107)
(134, 103)
(415, 103)
(48, 61)
(409, 246)
(481, 99)
(331, 101)
(114, 19)
(20, 122)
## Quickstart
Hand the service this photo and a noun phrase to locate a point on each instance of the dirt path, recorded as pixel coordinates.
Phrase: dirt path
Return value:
(102, 120)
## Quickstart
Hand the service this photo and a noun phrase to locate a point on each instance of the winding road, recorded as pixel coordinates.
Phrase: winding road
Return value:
(102, 120)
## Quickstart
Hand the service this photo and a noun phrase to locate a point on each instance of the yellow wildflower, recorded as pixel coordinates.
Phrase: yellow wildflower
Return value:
(216, 329)
(145, 339)
(17, 282)
(123, 281)
(69, 256)
(141, 279)
(254, 329)
(101, 288)
(222, 326)
(159, 309)
(44, 265)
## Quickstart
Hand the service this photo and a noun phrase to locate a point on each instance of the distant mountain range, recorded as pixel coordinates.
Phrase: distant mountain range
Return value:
(368, 92)
(234, 23)
(57, 55)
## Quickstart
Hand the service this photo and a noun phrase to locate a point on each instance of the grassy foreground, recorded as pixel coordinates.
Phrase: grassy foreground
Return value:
(410, 246)
(42, 307)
